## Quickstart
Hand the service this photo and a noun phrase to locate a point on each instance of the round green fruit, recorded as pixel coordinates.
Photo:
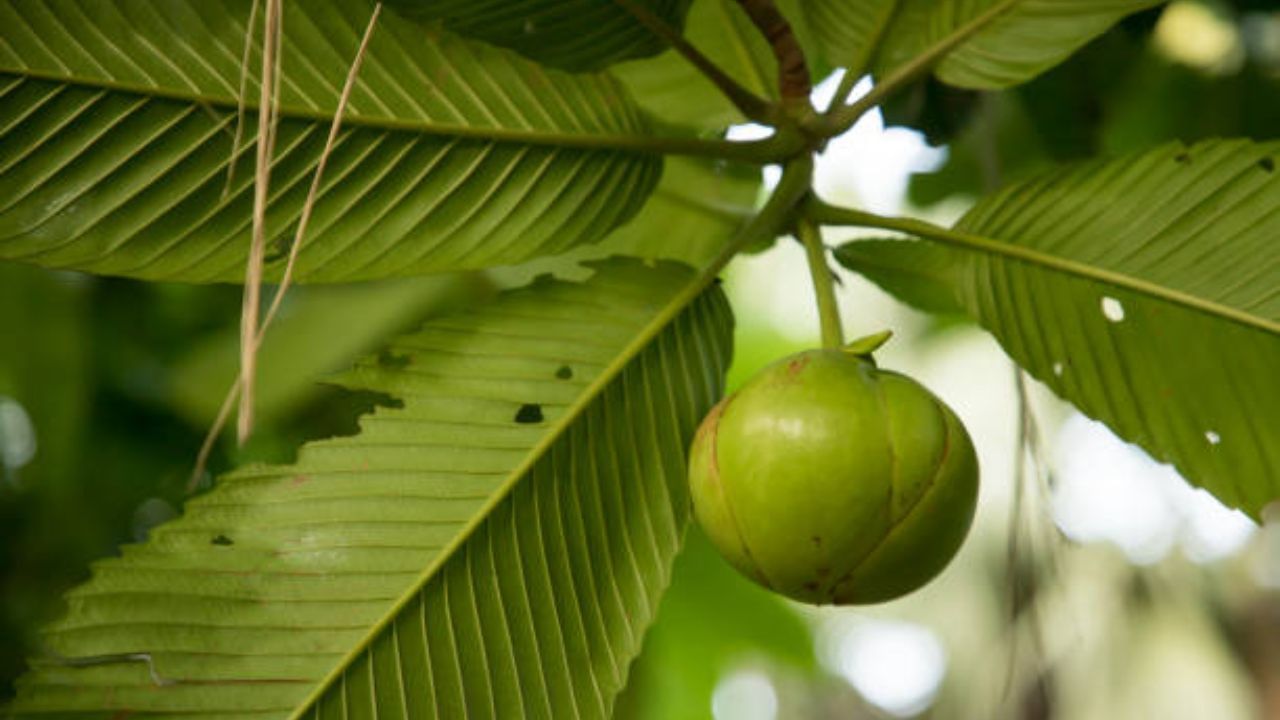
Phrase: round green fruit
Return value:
(829, 480)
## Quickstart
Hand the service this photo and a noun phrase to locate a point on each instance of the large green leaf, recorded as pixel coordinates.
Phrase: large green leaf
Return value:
(712, 619)
(570, 34)
(117, 123)
(1144, 290)
(916, 273)
(996, 43)
(697, 210)
(838, 32)
(669, 87)
(495, 547)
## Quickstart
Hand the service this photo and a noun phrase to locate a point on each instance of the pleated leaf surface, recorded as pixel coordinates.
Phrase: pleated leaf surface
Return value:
(914, 272)
(495, 547)
(838, 32)
(569, 34)
(670, 88)
(699, 207)
(1149, 298)
(118, 123)
(1006, 42)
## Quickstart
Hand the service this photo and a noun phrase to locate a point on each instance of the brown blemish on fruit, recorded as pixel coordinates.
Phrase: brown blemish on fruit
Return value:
(795, 365)
(804, 575)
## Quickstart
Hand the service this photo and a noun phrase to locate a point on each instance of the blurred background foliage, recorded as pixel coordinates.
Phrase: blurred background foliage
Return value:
(1092, 587)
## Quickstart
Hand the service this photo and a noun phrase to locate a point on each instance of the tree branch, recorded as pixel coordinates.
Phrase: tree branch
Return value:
(752, 106)
(794, 85)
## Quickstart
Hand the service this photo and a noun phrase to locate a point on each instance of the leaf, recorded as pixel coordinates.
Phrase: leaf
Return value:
(697, 209)
(670, 88)
(838, 32)
(917, 273)
(324, 329)
(1000, 42)
(711, 619)
(1001, 142)
(1064, 115)
(117, 123)
(1143, 290)
(569, 34)
(493, 548)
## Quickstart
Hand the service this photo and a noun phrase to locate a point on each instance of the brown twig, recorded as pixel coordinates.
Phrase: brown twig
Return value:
(752, 106)
(793, 70)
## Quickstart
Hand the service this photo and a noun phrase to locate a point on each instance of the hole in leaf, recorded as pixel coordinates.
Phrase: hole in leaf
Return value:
(529, 413)
(1112, 309)
(222, 540)
(392, 361)
(1058, 369)
(278, 249)
(564, 373)
(1213, 437)
(1182, 158)
(385, 400)
(1267, 164)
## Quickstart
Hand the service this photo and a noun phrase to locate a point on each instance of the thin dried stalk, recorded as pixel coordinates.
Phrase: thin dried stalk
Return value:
(287, 279)
(257, 249)
(241, 100)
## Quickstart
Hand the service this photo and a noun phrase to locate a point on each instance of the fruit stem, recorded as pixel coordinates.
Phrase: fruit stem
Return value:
(823, 283)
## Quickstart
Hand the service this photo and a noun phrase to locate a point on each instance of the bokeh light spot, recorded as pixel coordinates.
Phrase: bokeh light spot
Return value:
(745, 695)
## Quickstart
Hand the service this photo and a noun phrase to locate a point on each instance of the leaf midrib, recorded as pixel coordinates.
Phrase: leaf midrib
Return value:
(742, 50)
(969, 241)
(794, 182)
(296, 113)
(589, 395)
(844, 116)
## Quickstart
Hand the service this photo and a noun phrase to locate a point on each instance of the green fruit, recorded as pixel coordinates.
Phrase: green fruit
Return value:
(829, 480)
